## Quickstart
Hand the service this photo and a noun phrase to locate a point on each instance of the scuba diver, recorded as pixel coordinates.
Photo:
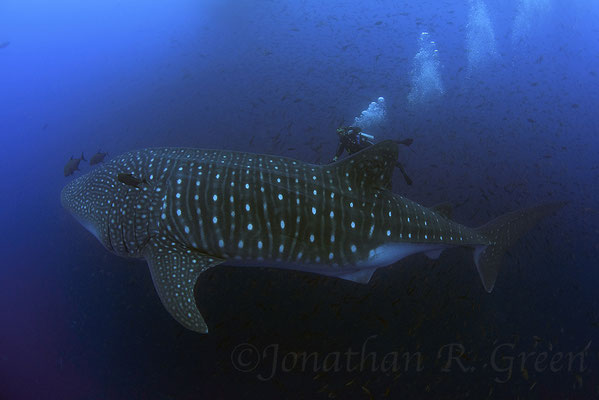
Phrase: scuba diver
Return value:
(352, 139)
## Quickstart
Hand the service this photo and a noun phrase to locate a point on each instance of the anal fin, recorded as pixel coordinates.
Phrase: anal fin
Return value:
(360, 276)
(175, 270)
(434, 254)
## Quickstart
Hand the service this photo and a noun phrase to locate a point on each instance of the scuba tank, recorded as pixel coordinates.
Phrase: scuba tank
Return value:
(366, 137)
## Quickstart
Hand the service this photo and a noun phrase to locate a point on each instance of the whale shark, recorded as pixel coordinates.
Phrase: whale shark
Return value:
(187, 210)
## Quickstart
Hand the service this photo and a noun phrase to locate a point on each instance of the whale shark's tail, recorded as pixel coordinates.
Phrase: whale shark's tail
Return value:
(503, 232)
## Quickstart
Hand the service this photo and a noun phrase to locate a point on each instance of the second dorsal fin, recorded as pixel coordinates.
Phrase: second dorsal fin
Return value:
(373, 166)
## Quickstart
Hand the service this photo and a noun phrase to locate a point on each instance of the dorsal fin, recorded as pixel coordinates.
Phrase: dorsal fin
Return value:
(444, 209)
(372, 166)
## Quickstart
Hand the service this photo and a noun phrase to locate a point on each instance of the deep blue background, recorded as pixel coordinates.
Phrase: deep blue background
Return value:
(279, 77)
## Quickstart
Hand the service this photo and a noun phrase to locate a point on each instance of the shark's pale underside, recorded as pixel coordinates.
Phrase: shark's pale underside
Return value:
(186, 210)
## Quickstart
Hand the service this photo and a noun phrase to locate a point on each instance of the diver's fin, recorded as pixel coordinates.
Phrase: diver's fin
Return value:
(444, 209)
(503, 232)
(175, 271)
(372, 166)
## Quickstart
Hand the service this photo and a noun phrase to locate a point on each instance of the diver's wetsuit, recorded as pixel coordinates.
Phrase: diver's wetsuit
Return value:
(350, 139)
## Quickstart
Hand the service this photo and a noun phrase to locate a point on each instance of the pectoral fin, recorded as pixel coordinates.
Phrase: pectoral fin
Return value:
(175, 270)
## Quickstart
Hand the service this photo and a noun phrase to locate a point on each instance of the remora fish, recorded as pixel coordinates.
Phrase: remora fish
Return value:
(191, 209)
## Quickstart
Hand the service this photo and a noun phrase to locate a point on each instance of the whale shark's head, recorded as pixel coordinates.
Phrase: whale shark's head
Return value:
(88, 198)
(117, 214)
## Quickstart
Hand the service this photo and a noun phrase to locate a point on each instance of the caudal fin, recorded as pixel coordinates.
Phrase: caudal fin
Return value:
(82, 157)
(503, 232)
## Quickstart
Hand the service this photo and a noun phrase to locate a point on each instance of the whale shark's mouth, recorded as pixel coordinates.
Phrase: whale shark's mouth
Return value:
(71, 199)
(90, 227)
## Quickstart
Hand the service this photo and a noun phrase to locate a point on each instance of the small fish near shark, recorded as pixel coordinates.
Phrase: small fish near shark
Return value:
(97, 158)
(73, 165)
(187, 210)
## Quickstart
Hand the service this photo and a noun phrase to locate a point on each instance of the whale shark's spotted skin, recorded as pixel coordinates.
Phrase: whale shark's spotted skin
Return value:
(197, 208)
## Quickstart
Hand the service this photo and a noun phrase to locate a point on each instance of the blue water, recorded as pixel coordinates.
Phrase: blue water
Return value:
(503, 111)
